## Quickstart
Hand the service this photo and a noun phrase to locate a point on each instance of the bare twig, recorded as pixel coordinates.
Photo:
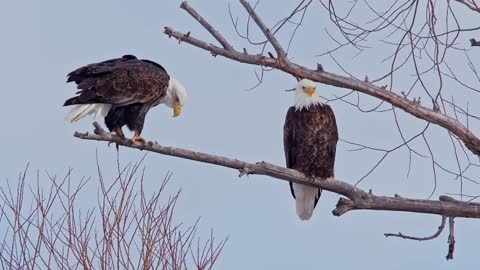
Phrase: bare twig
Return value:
(451, 238)
(266, 31)
(206, 25)
(470, 4)
(474, 42)
(357, 198)
(433, 236)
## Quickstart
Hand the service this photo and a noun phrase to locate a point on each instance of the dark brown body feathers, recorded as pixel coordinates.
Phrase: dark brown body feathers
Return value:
(310, 141)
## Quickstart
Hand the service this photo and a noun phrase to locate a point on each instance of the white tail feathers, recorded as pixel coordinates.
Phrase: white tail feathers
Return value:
(80, 111)
(305, 200)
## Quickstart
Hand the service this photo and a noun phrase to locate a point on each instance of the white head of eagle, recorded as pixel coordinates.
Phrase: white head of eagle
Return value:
(175, 97)
(305, 95)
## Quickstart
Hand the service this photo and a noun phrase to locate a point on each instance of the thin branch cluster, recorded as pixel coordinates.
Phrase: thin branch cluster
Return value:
(127, 230)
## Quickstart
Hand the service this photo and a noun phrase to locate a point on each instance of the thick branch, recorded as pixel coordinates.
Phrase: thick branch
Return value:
(358, 199)
(413, 108)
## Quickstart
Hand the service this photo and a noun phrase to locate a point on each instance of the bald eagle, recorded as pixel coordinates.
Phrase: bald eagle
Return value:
(123, 90)
(310, 141)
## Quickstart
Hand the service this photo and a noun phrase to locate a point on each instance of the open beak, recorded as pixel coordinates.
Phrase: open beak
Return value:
(309, 90)
(177, 109)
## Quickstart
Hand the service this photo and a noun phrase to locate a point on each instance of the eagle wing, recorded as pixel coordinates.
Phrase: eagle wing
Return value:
(289, 138)
(327, 138)
(289, 143)
(120, 81)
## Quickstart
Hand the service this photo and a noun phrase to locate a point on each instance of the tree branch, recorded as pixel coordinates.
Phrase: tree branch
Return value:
(451, 238)
(357, 198)
(463, 133)
(435, 235)
(266, 31)
(470, 5)
(185, 6)
(474, 42)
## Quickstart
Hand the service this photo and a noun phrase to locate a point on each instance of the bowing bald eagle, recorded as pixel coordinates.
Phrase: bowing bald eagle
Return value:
(123, 90)
(310, 141)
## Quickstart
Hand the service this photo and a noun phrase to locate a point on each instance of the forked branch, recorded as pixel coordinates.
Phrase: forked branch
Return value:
(320, 75)
(470, 4)
(433, 236)
(266, 31)
(451, 235)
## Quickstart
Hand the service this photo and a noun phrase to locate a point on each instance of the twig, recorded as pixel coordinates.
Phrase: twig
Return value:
(433, 236)
(357, 198)
(474, 42)
(470, 5)
(185, 6)
(266, 31)
(451, 238)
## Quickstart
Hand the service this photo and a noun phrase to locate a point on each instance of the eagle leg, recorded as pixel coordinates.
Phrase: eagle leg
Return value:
(119, 133)
(138, 124)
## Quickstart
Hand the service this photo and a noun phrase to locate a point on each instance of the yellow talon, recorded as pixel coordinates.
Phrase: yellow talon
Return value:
(138, 139)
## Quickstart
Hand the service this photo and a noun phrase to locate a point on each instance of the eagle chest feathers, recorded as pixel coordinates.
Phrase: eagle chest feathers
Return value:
(310, 140)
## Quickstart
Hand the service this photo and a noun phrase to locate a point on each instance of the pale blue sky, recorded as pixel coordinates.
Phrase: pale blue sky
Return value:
(41, 41)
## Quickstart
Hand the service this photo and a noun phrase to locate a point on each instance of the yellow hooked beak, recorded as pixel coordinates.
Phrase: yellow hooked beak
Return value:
(177, 109)
(309, 90)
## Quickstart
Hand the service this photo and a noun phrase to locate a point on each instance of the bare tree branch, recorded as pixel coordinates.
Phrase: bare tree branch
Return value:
(206, 25)
(470, 4)
(266, 31)
(474, 42)
(471, 141)
(129, 228)
(451, 238)
(357, 198)
(433, 236)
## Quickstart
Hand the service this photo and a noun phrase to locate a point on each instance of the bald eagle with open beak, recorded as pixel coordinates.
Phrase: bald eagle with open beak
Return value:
(123, 90)
(310, 141)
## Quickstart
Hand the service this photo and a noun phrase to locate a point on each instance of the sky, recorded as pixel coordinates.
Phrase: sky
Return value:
(41, 41)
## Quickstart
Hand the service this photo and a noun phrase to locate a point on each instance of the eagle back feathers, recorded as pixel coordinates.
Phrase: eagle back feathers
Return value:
(120, 81)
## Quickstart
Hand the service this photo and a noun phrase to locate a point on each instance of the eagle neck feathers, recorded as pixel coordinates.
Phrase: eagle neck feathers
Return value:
(304, 102)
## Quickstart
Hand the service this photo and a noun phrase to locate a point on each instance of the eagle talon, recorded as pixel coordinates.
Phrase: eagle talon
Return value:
(117, 146)
(138, 139)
